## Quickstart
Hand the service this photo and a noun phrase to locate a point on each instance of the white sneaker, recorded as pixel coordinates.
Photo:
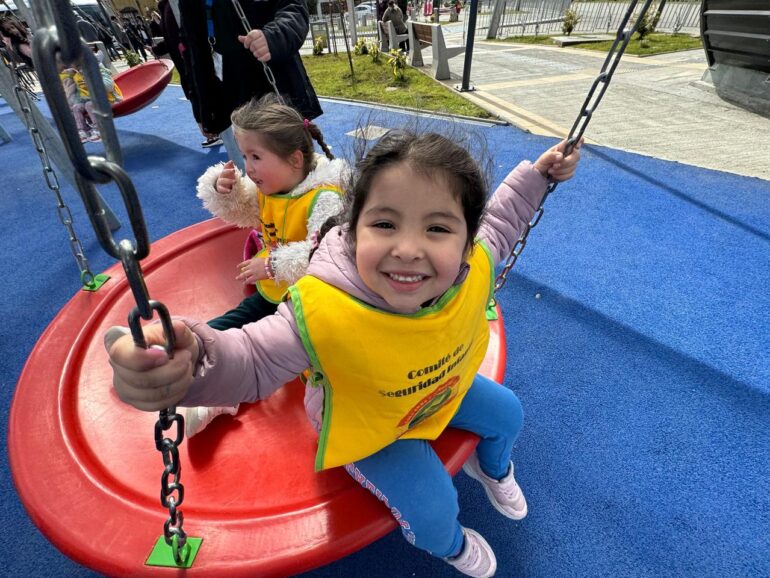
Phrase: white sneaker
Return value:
(506, 495)
(197, 418)
(476, 558)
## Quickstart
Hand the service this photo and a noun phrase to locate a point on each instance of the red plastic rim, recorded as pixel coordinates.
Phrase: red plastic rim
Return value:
(141, 85)
(250, 489)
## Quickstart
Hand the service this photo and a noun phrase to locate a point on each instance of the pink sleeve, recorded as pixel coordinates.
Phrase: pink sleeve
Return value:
(246, 364)
(510, 208)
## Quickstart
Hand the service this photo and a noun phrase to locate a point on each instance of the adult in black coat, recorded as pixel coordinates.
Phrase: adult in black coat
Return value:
(173, 46)
(278, 29)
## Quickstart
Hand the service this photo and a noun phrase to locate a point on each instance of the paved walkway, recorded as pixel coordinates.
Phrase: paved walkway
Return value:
(655, 106)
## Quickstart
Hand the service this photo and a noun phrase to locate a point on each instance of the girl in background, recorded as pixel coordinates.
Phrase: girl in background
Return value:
(288, 192)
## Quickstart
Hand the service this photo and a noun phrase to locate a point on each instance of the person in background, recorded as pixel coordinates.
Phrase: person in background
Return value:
(172, 44)
(394, 14)
(381, 6)
(120, 34)
(87, 30)
(17, 41)
(79, 98)
(228, 64)
(135, 39)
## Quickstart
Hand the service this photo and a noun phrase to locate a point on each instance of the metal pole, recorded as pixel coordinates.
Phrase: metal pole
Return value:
(465, 86)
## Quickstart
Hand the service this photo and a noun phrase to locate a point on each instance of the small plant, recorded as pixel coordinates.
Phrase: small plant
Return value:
(397, 62)
(571, 18)
(360, 48)
(375, 52)
(133, 58)
(318, 45)
(648, 23)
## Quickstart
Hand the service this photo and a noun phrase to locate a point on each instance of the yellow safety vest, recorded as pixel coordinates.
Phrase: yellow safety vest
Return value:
(385, 375)
(114, 95)
(284, 220)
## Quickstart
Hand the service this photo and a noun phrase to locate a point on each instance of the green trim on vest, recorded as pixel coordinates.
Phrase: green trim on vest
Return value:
(313, 374)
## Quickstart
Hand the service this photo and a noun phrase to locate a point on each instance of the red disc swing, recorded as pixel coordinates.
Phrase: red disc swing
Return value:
(141, 85)
(250, 489)
(251, 492)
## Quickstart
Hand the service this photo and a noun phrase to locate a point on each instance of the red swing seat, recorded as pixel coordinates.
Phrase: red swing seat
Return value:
(251, 492)
(141, 85)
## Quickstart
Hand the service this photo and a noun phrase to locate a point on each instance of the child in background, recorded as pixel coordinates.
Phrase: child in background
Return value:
(391, 319)
(288, 192)
(79, 99)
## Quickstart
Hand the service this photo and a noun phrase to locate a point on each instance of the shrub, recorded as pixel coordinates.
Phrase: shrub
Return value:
(133, 58)
(374, 51)
(318, 46)
(648, 22)
(397, 61)
(571, 18)
(360, 47)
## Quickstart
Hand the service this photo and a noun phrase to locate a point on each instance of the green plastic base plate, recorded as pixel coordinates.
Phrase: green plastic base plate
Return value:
(94, 283)
(163, 555)
(492, 311)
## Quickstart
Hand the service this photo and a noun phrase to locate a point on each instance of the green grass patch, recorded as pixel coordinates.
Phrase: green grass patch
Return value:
(374, 82)
(544, 40)
(656, 43)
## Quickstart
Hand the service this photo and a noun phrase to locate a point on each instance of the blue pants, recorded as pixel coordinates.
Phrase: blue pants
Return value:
(409, 478)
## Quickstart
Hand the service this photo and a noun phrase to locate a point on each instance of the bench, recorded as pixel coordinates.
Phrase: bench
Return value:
(430, 34)
(389, 40)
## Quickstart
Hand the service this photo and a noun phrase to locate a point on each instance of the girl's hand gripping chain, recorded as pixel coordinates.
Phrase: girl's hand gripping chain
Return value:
(553, 165)
(146, 378)
(226, 179)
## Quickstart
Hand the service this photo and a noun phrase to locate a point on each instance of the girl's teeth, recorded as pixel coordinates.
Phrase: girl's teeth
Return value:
(406, 278)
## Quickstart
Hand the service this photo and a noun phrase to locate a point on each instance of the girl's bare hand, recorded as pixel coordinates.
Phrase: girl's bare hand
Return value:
(251, 271)
(226, 179)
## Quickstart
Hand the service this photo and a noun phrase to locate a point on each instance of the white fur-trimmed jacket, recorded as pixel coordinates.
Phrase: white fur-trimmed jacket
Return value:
(241, 208)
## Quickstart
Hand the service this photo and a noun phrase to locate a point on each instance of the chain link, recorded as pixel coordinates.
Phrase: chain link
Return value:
(579, 126)
(51, 179)
(57, 34)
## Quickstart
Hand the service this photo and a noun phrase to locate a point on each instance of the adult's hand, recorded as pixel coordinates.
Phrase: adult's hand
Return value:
(256, 43)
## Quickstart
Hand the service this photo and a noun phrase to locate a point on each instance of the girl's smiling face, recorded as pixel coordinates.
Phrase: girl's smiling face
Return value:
(270, 172)
(411, 237)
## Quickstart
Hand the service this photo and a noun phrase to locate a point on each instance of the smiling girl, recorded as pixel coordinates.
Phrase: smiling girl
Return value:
(391, 320)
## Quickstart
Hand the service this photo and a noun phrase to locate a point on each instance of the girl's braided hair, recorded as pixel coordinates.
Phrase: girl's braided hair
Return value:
(283, 128)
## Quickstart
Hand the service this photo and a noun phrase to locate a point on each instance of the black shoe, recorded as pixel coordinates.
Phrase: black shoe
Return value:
(214, 141)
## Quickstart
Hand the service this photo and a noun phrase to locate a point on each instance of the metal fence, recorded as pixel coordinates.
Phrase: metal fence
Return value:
(536, 17)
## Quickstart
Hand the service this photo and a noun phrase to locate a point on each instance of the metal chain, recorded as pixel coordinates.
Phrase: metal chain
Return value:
(52, 180)
(578, 128)
(247, 27)
(58, 33)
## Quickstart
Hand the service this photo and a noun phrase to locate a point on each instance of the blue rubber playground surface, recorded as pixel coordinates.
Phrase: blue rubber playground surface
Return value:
(638, 339)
